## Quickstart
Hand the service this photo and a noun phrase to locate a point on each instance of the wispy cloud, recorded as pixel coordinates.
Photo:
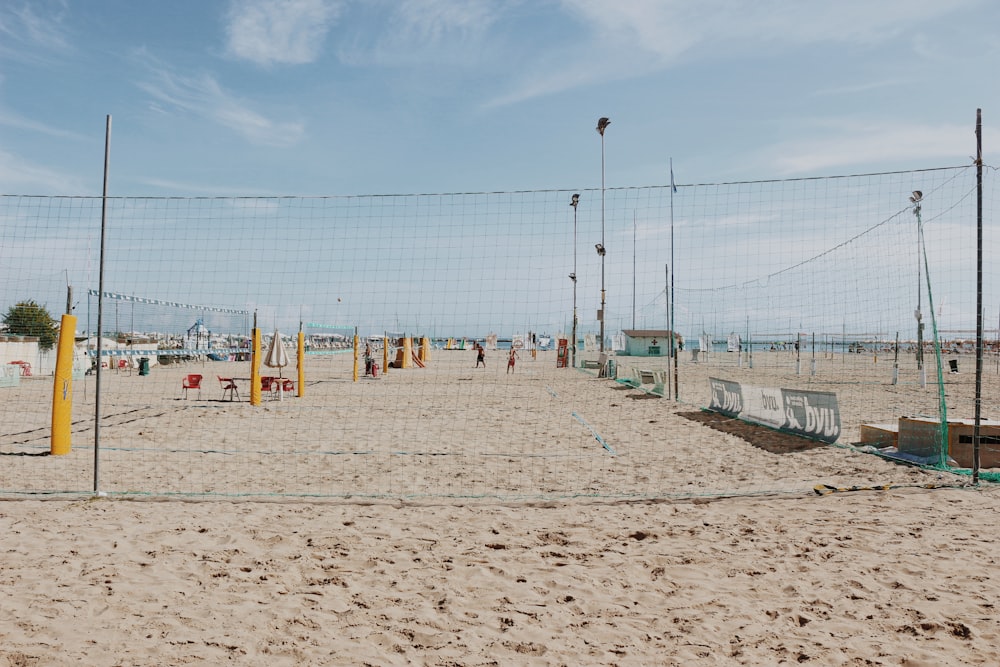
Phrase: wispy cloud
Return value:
(433, 22)
(420, 32)
(845, 143)
(188, 188)
(9, 119)
(33, 31)
(35, 23)
(269, 32)
(637, 37)
(21, 176)
(864, 87)
(667, 29)
(203, 96)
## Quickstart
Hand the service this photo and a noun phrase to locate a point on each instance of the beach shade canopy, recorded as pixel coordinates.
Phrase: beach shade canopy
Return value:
(276, 356)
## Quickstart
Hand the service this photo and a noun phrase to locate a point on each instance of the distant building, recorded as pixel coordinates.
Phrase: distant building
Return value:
(650, 342)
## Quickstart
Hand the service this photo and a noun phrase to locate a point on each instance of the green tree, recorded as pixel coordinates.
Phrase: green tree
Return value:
(27, 318)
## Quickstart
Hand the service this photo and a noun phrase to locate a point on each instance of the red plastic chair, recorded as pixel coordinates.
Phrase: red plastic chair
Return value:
(229, 384)
(192, 381)
(273, 385)
(25, 367)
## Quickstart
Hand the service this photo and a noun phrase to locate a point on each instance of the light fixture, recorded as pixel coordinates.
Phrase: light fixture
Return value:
(602, 124)
(575, 201)
(916, 196)
(572, 277)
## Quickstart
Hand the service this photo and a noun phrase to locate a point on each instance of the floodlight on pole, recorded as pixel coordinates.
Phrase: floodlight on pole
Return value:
(602, 124)
(572, 350)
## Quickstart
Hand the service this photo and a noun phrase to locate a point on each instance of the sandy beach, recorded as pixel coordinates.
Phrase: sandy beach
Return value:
(453, 430)
(459, 516)
(867, 578)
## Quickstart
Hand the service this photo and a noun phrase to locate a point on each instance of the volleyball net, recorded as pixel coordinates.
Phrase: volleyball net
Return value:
(850, 287)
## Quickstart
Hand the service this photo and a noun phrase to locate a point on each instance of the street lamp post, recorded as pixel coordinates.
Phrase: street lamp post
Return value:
(915, 199)
(602, 124)
(572, 356)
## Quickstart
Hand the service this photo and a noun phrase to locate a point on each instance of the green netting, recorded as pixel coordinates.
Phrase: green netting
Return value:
(791, 290)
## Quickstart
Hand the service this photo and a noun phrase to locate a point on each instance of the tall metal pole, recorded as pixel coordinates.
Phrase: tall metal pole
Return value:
(673, 300)
(670, 345)
(100, 312)
(915, 200)
(633, 269)
(572, 356)
(602, 124)
(979, 295)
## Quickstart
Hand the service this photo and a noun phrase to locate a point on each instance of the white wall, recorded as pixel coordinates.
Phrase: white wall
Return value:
(44, 363)
(21, 350)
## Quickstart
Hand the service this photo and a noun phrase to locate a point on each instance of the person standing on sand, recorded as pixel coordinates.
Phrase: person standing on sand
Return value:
(369, 359)
(510, 360)
(480, 356)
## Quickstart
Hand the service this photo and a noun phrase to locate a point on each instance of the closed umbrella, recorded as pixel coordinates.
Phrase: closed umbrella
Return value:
(277, 357)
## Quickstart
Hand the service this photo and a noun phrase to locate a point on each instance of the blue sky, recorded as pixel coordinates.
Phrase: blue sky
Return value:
(318, 97)
(264, 98)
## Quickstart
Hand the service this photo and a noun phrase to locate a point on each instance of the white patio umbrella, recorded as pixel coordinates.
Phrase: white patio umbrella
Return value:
(277, 357)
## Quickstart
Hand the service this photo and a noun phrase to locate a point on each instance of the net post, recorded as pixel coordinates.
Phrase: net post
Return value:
(407, 351)
(255, 366)
(385, 353)
(300, 353)
(62, 390)
(355, 354)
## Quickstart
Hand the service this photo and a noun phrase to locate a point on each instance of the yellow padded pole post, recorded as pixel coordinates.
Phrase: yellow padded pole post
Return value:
(355, 357)
(62, 390)
(407, 352)
(301, 360)
(255, 369)
(425, 349)
(385, 355)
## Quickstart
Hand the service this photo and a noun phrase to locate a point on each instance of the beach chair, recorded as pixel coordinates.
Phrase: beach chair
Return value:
(273, 385)
(630, 378)
(229, 384)
(659, 383)
(24, 366)
(192, 381)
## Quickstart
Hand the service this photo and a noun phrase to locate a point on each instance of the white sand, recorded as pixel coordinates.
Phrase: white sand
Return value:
(777, 576)
(867, 578)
